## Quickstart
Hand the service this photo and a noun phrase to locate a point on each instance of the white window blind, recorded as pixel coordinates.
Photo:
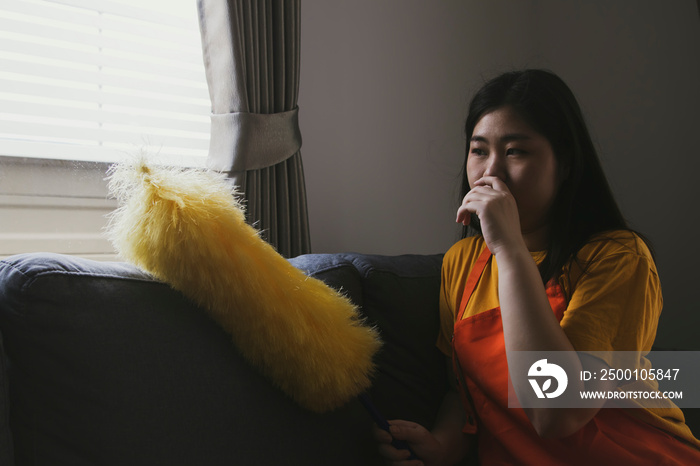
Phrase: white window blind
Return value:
(99, 80)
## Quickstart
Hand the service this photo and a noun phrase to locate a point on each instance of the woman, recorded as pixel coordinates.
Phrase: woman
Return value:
(553, 267)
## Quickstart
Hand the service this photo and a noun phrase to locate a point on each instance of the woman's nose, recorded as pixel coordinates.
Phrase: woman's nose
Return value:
(494, 166)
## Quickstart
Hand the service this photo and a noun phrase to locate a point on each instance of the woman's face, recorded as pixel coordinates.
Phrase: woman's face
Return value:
(505, 146)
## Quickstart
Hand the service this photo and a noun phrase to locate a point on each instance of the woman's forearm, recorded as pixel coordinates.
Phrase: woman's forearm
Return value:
(528, 321)
(529, 324)
(448, 428)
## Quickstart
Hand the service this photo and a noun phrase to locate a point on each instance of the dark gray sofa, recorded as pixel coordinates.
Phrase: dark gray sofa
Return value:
(102, 365)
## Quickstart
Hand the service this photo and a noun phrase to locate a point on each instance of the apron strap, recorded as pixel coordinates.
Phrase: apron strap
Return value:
(470, 285)
(473, 279)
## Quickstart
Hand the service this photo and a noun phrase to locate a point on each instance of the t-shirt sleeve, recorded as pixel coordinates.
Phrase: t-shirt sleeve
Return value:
(447, 311)
(616, 303)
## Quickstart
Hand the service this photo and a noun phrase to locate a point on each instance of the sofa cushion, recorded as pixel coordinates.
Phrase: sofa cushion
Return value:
(401, 299)
(398, 295)
(108, 366)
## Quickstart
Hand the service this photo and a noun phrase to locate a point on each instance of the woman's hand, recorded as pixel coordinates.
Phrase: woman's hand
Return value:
(491, 200)
(422, 442)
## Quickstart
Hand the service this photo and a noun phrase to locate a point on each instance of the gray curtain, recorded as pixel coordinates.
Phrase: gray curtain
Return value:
(251, 57)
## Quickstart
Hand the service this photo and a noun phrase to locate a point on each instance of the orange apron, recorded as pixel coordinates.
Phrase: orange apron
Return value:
(506, 436)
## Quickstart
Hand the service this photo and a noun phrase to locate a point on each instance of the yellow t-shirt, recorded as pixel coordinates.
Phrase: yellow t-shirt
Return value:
(614, 304)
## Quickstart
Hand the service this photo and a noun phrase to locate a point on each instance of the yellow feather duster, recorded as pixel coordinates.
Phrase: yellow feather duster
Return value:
(186, 229)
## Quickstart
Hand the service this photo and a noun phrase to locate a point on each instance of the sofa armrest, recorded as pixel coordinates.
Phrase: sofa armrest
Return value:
(6, 444)
(108, 366)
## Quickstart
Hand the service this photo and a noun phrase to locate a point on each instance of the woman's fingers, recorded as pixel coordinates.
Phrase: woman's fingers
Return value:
(381, 435)
(396, 457)
(492, 182)
(387, 450)
(474, 202)
(410, 432)
(491, 201)
(463, 215)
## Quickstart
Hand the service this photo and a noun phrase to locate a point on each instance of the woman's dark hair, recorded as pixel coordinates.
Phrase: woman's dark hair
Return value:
(585, 204)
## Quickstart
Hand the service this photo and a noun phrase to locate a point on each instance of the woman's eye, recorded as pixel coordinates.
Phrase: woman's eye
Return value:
(477, 151)
(514, 151)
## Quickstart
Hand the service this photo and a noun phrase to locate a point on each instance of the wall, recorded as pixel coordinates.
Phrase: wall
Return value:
(384, 87)
(635, 66)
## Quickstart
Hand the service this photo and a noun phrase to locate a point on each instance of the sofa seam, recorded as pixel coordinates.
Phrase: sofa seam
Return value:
(332, 267)
(32, 278)
(365, 272)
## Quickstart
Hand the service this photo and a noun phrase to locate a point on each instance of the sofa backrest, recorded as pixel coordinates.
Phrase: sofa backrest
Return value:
(107, 366)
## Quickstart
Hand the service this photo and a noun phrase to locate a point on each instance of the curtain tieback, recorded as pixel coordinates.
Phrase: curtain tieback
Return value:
(251, 141)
